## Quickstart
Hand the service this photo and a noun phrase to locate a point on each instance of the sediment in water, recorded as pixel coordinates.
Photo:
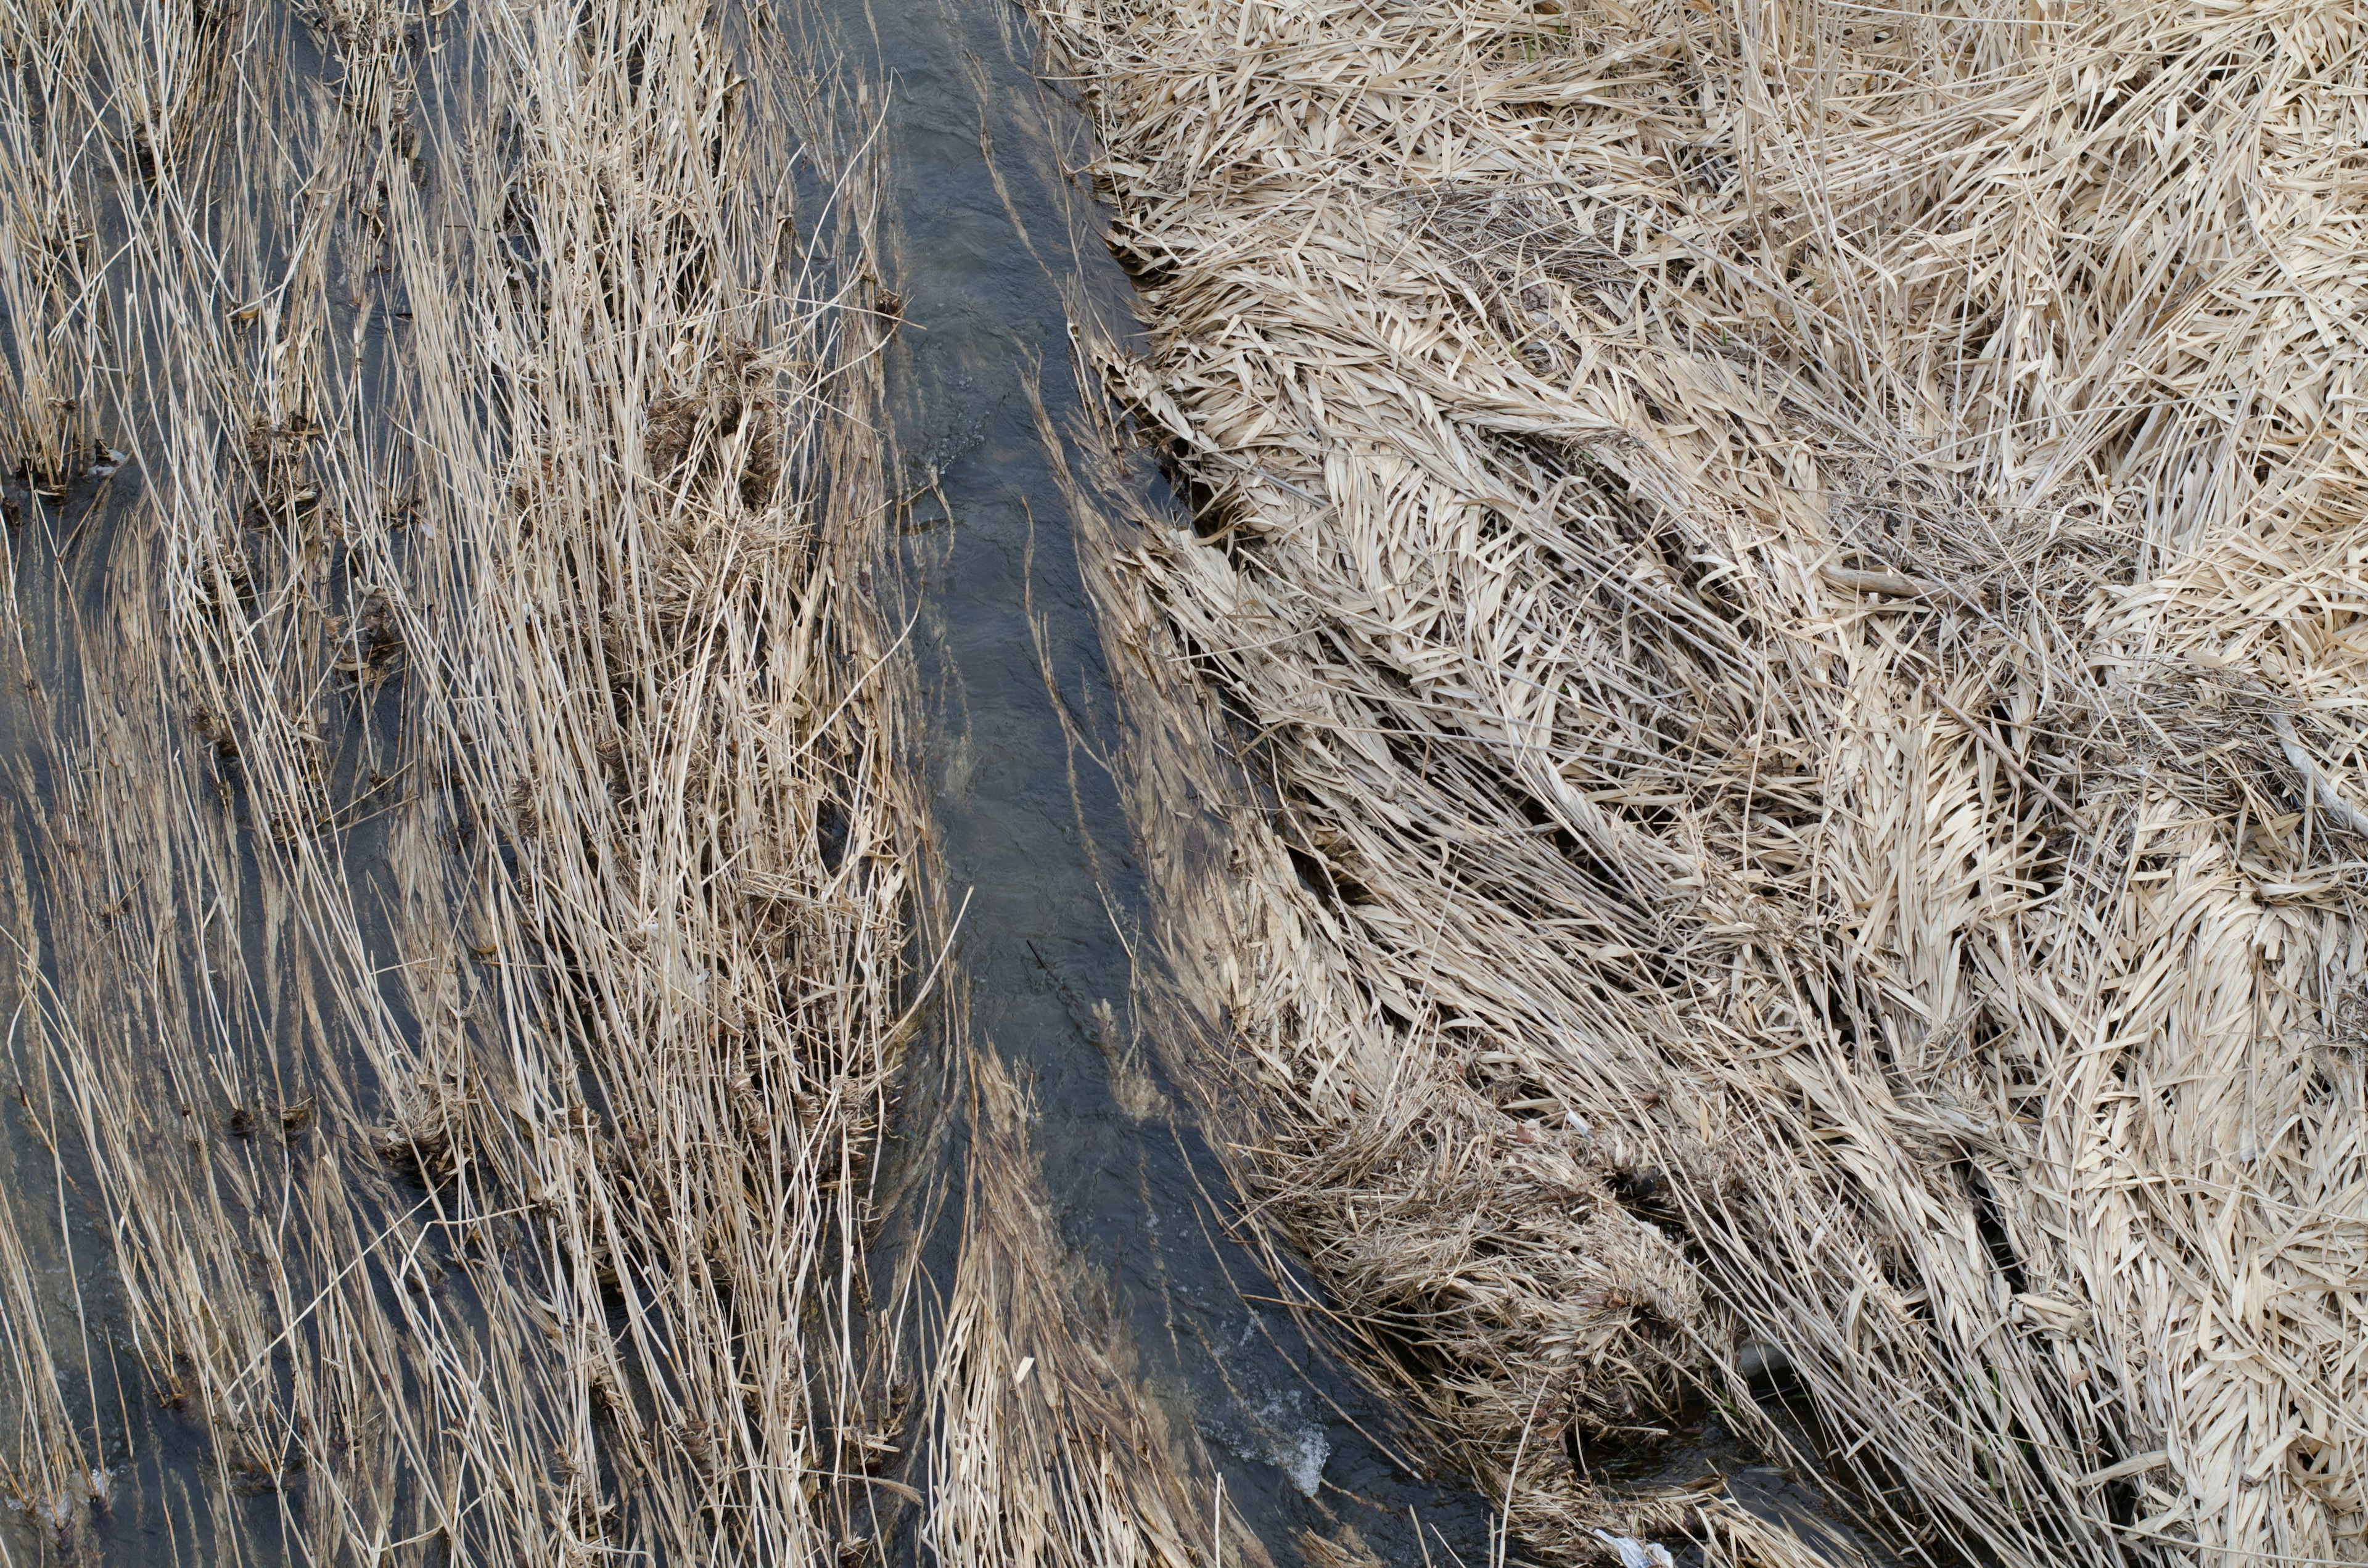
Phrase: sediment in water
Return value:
(1786, 584)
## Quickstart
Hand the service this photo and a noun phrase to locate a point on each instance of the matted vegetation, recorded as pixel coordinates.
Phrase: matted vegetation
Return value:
(1788, 579)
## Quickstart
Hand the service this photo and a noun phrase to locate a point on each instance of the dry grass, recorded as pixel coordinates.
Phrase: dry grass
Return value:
(1042, 1451)
(1789, 577)
(477, 908)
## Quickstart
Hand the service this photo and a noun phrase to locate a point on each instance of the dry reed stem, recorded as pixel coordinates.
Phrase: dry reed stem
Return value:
(485, 926)
(1044, 1452)
(1790, 580)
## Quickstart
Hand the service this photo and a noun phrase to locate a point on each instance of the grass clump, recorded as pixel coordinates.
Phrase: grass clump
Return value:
(1786, 579)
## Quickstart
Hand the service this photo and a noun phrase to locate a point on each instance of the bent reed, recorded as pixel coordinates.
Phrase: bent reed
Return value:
(1788, 581)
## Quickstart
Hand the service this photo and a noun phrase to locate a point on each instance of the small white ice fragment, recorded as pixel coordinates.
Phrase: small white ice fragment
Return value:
(1634, 1553)
(1301, 1457)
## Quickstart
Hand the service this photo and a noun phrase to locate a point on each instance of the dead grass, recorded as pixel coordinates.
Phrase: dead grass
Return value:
(1043, 1451)
(479, 909)
(1787, 581)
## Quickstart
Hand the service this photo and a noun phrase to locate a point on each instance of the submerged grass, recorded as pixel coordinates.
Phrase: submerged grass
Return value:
(1788, 581)
(472, 914)
(468, 908)
(1043, 1450)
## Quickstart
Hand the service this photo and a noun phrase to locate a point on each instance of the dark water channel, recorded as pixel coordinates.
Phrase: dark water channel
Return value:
(988, 224)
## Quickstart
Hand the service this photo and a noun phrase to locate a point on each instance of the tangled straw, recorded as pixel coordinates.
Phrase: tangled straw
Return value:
(1788, 581)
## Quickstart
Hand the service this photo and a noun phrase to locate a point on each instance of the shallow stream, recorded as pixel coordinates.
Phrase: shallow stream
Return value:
(989, 223)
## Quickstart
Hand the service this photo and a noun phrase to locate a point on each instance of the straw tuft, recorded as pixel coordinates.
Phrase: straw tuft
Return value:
(1784, 582)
